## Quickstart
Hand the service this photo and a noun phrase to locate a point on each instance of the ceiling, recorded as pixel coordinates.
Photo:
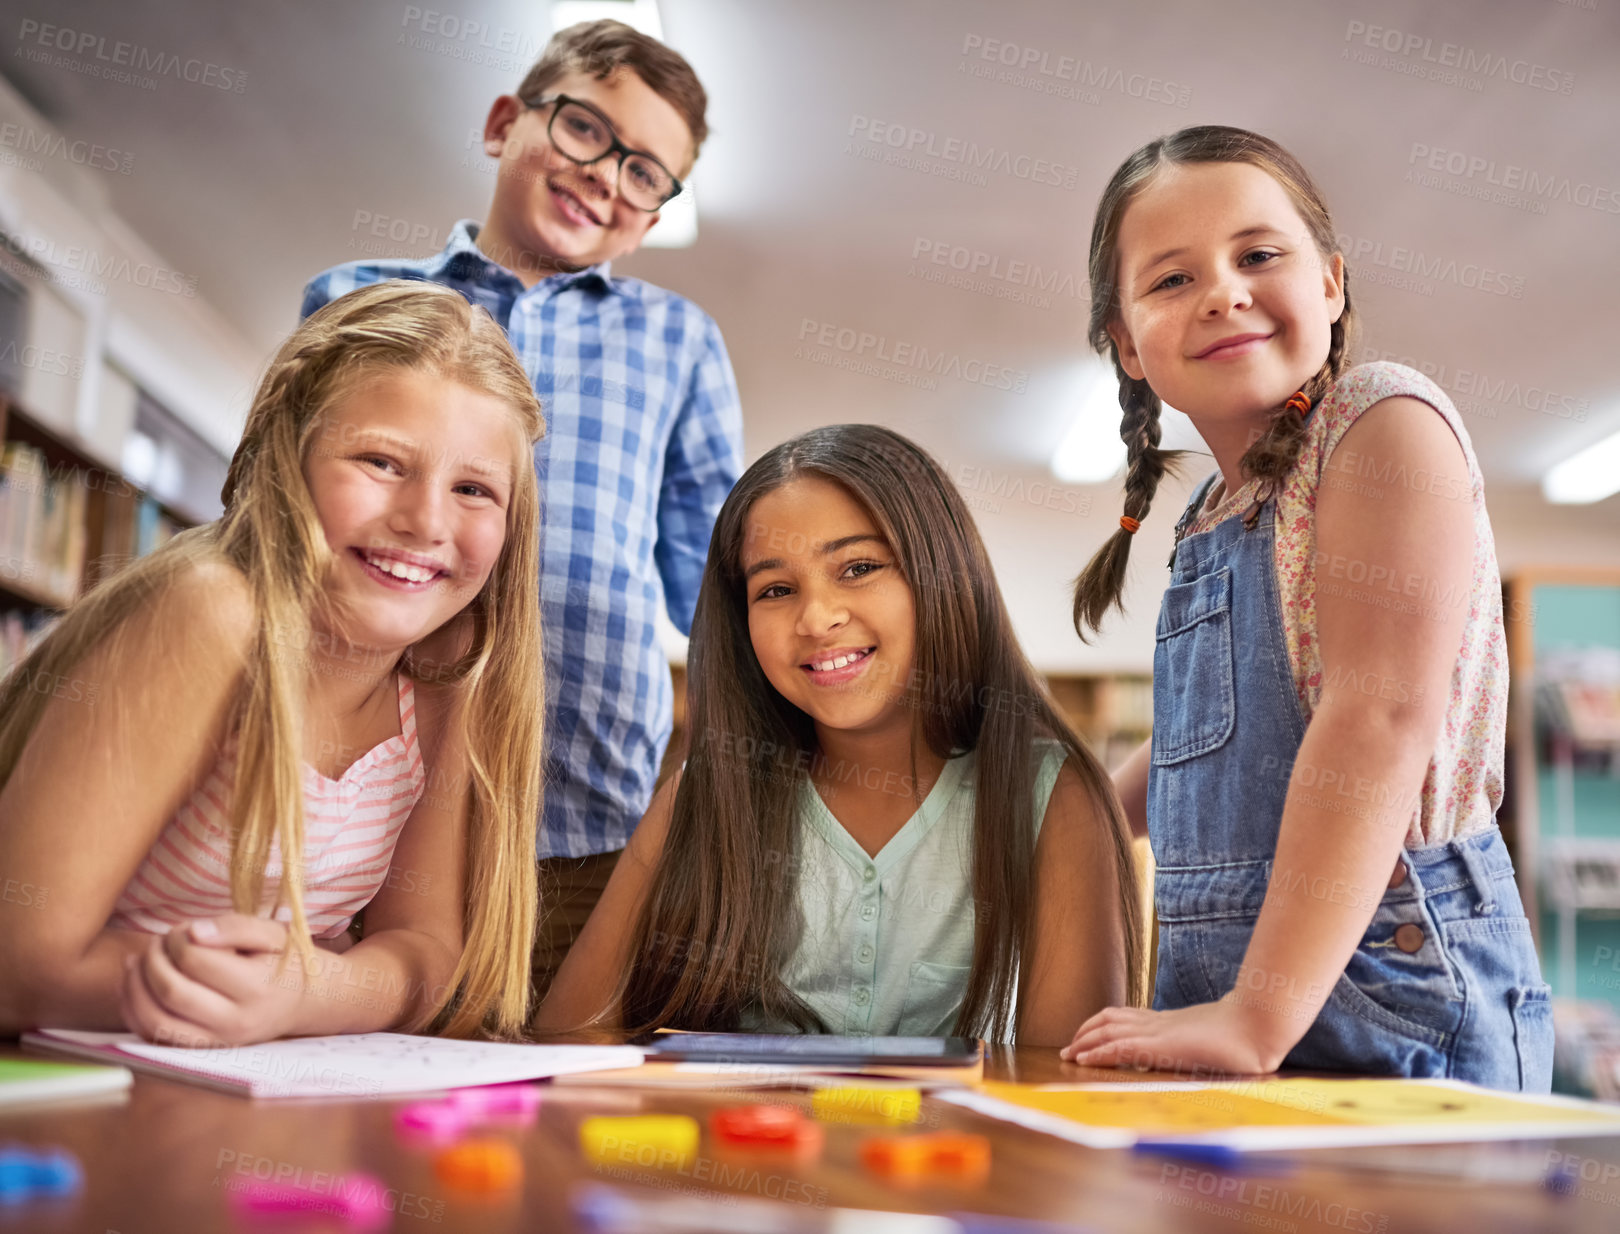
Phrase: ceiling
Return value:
(367, 109)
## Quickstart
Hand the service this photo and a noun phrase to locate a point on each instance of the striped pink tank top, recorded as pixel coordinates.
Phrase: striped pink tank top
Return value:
(350, 828)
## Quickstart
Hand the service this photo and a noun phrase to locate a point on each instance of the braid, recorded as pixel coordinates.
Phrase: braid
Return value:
(1339, 341)
(1273, 456)
(1102, 583)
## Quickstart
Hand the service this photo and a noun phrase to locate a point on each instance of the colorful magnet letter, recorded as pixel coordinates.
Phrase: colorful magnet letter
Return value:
(498, 1100)
(26, 1175)
(651, 1140)
(434, 1120)
(851, 1104)
(480, 1165)
(359, 1200)
(766, 1127)
(947, 1154)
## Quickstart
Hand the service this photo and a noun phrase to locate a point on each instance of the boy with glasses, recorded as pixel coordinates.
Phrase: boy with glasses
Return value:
(643, 428)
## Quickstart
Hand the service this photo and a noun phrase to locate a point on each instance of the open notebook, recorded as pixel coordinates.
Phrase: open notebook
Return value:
(356, 1065)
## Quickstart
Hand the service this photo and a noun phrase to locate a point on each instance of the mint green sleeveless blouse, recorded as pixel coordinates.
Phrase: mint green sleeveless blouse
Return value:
(888, 940)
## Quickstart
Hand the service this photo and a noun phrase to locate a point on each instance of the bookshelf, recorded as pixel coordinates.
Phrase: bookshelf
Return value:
(1112, 712)
(1562, 815)
(66, 522)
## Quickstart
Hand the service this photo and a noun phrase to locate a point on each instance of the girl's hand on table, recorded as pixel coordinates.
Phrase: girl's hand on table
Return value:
(214, 982)
(1218, 1036)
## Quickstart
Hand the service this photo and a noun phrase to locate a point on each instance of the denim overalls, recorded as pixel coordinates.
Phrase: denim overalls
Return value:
(1445, 982)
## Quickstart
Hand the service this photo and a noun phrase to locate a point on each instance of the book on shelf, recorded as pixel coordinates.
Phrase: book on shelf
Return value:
(1578, 695)
(43, 538)
(1586, 1051)
(1582, 872)
(1126, 704)
(119, 516)
(20, 634)
(1586, 712)
(152, 527)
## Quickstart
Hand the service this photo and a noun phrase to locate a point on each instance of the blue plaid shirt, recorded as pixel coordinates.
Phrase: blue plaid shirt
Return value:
(643, 442)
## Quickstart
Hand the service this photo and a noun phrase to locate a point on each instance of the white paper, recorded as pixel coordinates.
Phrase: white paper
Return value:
(363, 1064)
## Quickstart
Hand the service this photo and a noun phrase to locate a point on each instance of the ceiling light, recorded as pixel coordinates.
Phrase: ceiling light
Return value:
(1591, 475)
(677, 223)
(140, 459)
(638, 14)
(1091, 450)
(1177, 432)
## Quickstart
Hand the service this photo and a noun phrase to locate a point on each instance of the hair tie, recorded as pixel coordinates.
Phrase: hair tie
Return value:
(1297, 402)
(1132, 525)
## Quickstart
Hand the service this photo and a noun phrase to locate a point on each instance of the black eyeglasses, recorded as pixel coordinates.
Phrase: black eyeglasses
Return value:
(584, 135)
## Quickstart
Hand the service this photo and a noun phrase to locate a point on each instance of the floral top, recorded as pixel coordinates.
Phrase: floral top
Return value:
(1463, 786)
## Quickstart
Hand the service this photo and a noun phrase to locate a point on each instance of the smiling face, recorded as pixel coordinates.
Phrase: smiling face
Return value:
(550, 207)
(412, 475)
(832, 620)
(1225, 304)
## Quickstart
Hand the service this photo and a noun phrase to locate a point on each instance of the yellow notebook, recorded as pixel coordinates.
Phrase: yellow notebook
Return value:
(1287, 1113)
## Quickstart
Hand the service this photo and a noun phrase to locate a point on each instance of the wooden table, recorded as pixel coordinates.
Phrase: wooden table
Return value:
(161, 1160)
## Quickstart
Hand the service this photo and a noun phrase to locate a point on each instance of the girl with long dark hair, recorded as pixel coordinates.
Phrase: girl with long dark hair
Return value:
(884, 826)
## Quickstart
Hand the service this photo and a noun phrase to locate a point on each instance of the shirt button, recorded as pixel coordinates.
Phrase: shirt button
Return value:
(864, 955)
(869, 912)
(1409, 938)
(863, 996)
(870, 874)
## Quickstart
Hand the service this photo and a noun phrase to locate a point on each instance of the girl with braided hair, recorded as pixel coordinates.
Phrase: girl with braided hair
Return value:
(326, 700)
(1330, 677)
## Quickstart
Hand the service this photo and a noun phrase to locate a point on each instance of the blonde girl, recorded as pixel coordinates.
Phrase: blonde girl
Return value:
(327, 700)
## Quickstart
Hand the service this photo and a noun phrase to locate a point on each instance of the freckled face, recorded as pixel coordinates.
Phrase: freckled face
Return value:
(1226, 305)
(832, 619)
